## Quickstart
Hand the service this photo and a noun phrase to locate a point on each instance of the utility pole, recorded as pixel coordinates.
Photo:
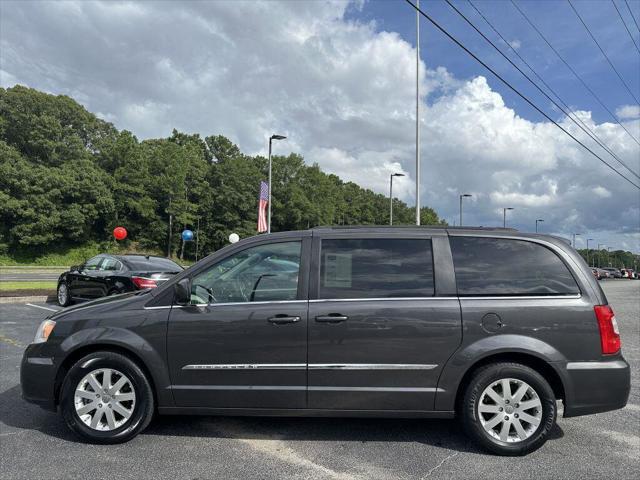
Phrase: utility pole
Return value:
(588, 240)
(271, 138)
(599, 257)
(418, 112)
(170, 222)
(504, 216)
(197, 237)
(464, 195)
(574, 239)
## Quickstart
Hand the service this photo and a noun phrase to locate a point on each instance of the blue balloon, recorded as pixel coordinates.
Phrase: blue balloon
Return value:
(187, 235)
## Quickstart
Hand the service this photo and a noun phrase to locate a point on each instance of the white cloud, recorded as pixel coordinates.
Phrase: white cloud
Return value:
(515, 44)
(627, 112)
(342, 91)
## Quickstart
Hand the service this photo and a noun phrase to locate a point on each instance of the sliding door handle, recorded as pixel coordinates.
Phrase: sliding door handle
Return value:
(332, 318)
(283, 319)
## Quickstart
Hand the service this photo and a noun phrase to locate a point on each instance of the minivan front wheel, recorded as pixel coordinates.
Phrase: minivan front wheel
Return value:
(106, 398)
(508, 408)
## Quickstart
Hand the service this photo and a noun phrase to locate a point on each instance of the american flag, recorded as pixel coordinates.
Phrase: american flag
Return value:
(263, 201)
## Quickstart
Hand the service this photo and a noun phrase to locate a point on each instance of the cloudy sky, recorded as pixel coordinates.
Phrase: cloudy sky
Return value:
(338, 78)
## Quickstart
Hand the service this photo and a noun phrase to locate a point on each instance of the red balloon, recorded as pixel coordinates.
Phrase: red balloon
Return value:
(120, 233)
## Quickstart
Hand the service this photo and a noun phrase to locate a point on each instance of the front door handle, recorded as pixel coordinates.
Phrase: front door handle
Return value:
(332, 318)
(283, 319)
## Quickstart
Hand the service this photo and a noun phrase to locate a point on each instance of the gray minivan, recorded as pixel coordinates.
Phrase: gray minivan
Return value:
(488, 325)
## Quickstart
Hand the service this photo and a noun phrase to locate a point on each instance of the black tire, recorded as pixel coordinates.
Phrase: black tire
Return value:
(142, 410)
(67, 299)
(486, 376)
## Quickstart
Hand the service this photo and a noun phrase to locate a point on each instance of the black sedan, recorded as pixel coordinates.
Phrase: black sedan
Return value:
(105, 275)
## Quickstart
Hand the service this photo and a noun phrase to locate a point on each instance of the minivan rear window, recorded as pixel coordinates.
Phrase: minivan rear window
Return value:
(376, 268)
(506, 267)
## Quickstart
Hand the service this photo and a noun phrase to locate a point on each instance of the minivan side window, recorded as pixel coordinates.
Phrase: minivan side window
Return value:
(506, 267)
(376, 268)
(256, 274)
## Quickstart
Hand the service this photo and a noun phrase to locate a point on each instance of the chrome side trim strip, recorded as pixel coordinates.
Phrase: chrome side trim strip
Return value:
(371, 366)
(595, 365)
(248, 366)
(274, 302)
(391, 299)
(40, 360)
(375, 389)
(523, 297)
(311, 366)
(304, 388)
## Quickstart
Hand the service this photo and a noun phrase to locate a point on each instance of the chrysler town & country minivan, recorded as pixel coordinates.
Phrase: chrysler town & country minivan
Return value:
(488, 325)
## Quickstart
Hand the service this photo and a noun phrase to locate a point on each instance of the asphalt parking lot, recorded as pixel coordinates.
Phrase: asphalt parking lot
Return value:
(37, 444)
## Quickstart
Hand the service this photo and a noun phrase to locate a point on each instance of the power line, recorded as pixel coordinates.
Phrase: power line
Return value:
(575, 120)
(625, 26)
(517, 92)
(632, 15)
(575, 74)
(603, 52)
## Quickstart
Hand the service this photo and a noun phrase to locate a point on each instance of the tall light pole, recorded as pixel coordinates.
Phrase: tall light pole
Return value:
(391, 195)
(461, 197)
(574, 238)
(418, 112)
(599, 257)
(609, 256)
(588, 240)
(538, 220)
(504, 216)
(271, 138)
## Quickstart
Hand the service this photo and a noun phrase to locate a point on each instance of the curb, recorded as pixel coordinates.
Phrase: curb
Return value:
(27, 299)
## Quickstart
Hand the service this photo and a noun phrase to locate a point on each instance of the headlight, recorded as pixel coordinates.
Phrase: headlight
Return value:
(44, 330)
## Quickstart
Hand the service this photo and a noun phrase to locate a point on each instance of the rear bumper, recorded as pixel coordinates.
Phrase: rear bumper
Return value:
(37, 378)
(594, 387)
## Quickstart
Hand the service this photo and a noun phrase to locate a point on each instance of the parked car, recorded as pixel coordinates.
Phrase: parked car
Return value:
(106, 274)
(345, 322)
(604, 273)
(629, 273)
(596, 273)
(613, 272)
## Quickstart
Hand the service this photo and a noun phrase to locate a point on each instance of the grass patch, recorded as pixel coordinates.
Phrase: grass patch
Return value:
(38, 285)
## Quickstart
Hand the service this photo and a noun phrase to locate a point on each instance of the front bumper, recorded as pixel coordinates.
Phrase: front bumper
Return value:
(594, 387)
(37, 378)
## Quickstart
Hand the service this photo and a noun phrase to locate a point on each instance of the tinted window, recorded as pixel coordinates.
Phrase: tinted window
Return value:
(152, 263)
(376, 268)
(491, 266)
(93, 264)
(110, 264)
(262, 273)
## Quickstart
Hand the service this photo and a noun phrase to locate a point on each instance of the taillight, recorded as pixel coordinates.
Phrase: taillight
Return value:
(142, 282)
(609, 333)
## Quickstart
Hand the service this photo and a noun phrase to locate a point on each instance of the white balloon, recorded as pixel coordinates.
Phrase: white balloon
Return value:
(234, 237)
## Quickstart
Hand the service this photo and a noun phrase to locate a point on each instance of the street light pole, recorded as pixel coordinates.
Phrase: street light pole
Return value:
(609, 256)
(574, 239)
(391, 195)
(538, 220)
(588, 240)
(461, 197)
(599, 257)
(504, 216)
(418, 112)
(272, 137)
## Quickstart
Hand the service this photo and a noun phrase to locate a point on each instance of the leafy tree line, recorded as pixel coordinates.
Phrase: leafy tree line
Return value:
(68, 178)
(615, 258)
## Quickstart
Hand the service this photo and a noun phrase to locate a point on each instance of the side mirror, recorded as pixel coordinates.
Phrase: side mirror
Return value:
(182, 294)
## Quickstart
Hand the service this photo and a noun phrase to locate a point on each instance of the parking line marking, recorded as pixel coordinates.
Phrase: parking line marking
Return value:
(44, 308)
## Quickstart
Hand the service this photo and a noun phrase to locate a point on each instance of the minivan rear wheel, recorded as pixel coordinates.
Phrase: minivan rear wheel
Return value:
(106, 398)
(508, 408)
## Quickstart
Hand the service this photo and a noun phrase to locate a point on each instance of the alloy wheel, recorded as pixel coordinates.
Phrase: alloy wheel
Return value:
(510, 410)
(105, 399)
(62, 294)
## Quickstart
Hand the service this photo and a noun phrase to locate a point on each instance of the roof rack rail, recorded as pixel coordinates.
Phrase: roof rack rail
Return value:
(443, 227)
